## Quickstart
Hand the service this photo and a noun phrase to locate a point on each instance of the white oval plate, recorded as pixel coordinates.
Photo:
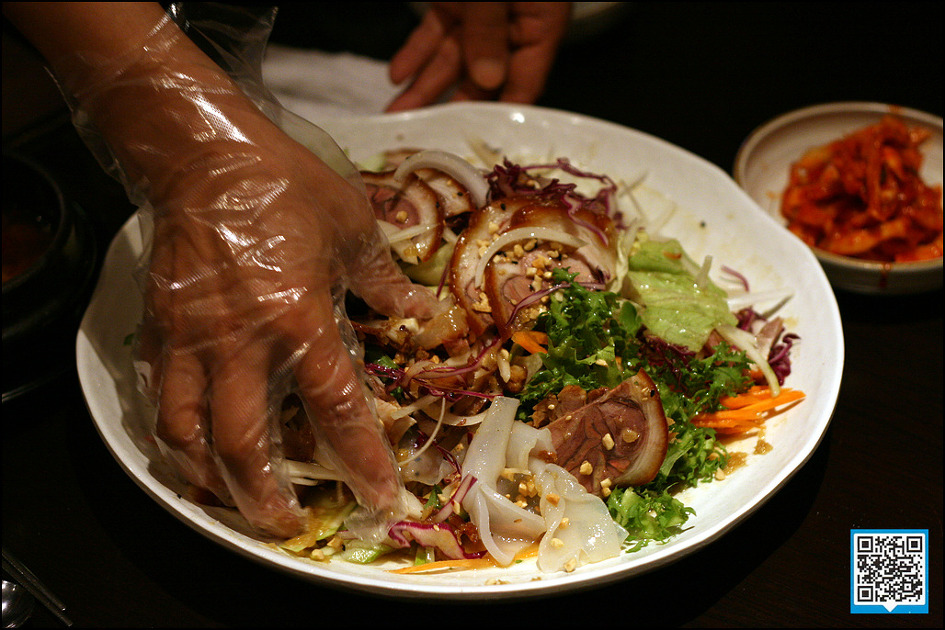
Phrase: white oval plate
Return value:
(715, 217)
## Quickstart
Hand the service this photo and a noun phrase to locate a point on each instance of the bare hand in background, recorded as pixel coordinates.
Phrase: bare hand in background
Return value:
(486, 50)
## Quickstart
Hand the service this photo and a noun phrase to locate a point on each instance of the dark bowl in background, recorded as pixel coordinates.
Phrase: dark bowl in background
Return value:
(49, 267)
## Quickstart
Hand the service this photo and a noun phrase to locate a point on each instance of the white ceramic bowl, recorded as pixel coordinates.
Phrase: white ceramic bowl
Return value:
(763, 164)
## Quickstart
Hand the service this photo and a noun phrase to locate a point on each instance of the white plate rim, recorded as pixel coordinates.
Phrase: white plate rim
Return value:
(103, 388)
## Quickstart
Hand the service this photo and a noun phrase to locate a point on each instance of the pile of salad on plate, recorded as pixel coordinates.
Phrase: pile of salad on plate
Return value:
(586, 370)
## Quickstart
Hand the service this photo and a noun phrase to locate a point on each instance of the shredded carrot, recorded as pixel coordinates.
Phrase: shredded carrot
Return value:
(755, 394)
(747, 410)
(448, 565)
(532, 340)
(465, 563)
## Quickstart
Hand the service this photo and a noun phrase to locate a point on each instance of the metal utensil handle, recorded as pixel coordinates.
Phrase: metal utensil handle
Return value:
(34, 585)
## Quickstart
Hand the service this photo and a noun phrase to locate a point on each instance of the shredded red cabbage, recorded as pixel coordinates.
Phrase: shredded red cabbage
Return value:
(439, 536)
(458, 495)
(740, 277)
(779, 358)
(513, 180)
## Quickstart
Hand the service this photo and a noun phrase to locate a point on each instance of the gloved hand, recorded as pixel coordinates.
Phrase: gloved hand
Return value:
(485, 50)
(255, 240)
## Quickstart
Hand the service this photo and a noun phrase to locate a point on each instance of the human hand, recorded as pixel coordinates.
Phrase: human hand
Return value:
(487, 50)
(247, 259)
(252, 247)
(255, 240)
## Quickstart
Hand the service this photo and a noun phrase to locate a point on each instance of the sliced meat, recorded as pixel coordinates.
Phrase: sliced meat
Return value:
(511, 281)
(410, 206)
(617, 439)
(483, 226)
(454, 197)
(567, 401)
(511, 277)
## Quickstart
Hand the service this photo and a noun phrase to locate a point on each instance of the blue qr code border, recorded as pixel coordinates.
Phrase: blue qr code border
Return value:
(856, 608)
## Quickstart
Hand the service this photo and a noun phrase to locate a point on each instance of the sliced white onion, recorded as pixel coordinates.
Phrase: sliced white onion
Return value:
(430, 439)
(489, 156)
(779, 297)
(309, 473)
(449, 236)
(521, 234)
(702, 275)
(398, 235)
(744, 340)
(505, 369)
(416, 406)
(454, 166)
(456, 420)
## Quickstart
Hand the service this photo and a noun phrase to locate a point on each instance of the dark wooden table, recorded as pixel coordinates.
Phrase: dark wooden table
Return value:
(700, 75)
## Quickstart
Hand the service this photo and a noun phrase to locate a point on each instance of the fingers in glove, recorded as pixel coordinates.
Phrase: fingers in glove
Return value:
(182, 423)
(240, 404)
(377, 279)
(334, 396)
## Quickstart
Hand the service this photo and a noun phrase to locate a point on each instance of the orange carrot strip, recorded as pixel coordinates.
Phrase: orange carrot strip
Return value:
(753, 410)
(755, 393)
(744, 417)
(448, 565)
(465, 564)
(732, 427)
(533, 341)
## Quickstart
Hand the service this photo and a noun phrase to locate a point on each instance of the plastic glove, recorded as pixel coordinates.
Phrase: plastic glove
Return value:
(255, 240)
(486, 50)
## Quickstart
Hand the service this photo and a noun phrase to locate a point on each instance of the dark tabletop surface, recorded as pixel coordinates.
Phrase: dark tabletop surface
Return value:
(700, 75)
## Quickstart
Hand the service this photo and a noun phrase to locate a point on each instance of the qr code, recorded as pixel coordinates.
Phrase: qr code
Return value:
(889, 571)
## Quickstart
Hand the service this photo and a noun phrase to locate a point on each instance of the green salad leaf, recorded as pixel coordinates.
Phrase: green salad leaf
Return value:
(677, 307)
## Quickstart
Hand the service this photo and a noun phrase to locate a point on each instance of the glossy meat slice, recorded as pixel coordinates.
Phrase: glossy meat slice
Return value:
(411, 205)
(617, 439)
(484, 225)
(525, 267)
(522, 225)
(454, 197)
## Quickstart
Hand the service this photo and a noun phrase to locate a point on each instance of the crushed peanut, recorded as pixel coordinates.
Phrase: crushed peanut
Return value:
(482, 306)
(608, 442)
(605, 487)
(586, 468)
